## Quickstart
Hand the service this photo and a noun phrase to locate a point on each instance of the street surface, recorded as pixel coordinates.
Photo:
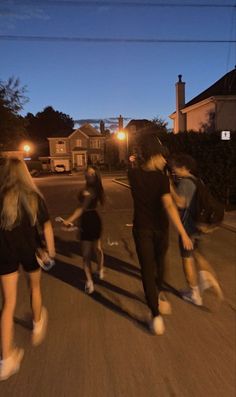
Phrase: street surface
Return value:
(99, 345)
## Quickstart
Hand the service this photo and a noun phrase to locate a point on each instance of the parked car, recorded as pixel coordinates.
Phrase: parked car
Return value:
(60, 168)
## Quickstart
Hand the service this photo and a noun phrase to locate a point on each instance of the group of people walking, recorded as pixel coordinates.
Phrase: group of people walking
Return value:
(156, 199)
(24, 219)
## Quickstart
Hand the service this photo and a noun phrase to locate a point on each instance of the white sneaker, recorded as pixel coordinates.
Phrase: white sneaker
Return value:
(101, 273)
(40, 328)
(207, 280)
(89, 287)
(157, 325)
(164, 304)
(11, 365)
(192, 296)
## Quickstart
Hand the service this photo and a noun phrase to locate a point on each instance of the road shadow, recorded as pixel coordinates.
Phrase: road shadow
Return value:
(73, 247)
(74, 276)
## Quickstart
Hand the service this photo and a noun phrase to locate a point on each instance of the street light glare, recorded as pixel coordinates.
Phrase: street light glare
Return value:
(121, 135)
(26, 148)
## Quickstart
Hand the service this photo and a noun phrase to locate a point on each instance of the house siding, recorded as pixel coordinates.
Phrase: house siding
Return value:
(226, 115)
(196, 118)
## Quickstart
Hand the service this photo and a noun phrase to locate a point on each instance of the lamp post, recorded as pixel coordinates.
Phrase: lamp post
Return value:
(121, 135)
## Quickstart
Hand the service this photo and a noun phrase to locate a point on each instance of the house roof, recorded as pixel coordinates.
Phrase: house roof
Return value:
(226, 85)
(86, 129)
(89, 130)
(139, 124)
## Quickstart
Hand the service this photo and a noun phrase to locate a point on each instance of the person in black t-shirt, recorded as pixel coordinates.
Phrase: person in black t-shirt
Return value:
(22, 209)
(152, 206)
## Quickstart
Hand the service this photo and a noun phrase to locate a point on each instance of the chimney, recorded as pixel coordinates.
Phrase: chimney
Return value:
(180, 124)
(102, 127)
(120, 123)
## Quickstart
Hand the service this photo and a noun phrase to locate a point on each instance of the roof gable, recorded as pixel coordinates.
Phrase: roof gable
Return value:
(226, 85)
(89, 130)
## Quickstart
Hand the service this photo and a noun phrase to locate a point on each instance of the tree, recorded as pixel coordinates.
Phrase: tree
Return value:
(12, 100)
(48, 123)
(162, 129)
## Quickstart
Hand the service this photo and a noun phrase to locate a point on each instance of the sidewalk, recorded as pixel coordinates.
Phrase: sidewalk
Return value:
(229, 222)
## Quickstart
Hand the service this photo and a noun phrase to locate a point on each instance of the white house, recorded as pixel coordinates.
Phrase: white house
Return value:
(213, 109)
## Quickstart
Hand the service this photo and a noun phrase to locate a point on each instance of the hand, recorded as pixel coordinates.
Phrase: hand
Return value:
(67, 223)
(187, 242)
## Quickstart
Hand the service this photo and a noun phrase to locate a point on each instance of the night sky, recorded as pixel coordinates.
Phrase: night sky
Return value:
(97, 80)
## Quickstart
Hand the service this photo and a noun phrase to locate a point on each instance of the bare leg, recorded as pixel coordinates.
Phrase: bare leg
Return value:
(100, 257)
(192, 280)
(202, 263)
(36, 296)
(9, 289)
(190, 272)
(87, 249)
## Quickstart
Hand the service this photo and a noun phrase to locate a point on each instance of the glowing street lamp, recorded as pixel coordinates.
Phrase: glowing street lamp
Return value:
(121, 135)
(27, 149)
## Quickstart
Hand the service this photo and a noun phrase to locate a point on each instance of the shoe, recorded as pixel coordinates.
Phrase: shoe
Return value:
(207, 281)
(101, 273)
(192, 296)
(164, 305)
(157, 325)
(40, 328)
(89, 287)
(11, 365)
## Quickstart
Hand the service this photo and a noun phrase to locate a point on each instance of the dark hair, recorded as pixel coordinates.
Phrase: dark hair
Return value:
(96, 184)
(150, 145)
(184, 160)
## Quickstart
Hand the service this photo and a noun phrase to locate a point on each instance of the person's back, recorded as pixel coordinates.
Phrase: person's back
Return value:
(147, 189)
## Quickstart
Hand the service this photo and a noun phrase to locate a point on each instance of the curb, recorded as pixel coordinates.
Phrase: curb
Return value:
(228, 227)
(121, 183)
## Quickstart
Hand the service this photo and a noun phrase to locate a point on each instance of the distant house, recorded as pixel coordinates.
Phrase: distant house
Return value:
(75, 151)
(211, 110)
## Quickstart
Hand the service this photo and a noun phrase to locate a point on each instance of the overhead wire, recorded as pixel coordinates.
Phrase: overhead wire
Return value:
(102, 3)
(111, 40)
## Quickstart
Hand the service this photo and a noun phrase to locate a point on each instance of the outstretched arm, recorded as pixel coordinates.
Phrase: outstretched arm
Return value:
(78, 212)
(174, 216)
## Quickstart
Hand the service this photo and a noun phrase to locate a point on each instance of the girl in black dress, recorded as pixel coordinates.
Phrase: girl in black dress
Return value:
(90, 224)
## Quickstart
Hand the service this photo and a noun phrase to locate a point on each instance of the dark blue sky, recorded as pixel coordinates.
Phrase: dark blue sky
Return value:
(101, 80)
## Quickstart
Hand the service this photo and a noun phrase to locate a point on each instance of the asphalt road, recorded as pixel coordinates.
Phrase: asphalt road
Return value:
(99, 345)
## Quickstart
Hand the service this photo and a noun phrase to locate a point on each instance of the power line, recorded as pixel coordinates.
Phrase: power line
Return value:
(110, 40)
(104, 3)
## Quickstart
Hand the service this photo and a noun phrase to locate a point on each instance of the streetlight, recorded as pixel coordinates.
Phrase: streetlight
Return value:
(122, 135)
(27, 149)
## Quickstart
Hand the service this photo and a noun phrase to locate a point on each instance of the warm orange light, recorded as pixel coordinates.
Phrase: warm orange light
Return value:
(121, 135)
(27, 148)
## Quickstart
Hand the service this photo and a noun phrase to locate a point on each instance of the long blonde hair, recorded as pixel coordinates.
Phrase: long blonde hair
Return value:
(17, 190)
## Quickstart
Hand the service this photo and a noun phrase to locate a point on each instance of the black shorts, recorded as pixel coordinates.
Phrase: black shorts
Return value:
(29, 265)
(90, 226)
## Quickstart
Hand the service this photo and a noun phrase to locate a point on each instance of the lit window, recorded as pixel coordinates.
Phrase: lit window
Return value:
(60, 147)
(78, 142)
(95, 143)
